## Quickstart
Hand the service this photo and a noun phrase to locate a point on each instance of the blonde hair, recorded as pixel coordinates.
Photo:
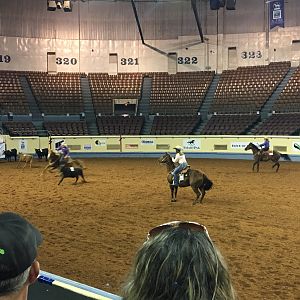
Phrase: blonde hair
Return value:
(179, 264)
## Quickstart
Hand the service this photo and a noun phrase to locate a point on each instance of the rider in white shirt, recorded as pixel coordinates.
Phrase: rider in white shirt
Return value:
(182, 164)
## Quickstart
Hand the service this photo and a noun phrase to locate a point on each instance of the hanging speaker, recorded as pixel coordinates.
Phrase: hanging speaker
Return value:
(214, 4)
(230, 4)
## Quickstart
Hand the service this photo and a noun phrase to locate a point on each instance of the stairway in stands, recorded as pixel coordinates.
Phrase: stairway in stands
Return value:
(267, 108)
(144, 105)
(37, 118)
(207, 102)
(88, 106)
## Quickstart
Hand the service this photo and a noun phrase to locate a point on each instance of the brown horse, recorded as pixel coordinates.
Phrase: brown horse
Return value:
(55, 161)
(258, 156)
(197, 180)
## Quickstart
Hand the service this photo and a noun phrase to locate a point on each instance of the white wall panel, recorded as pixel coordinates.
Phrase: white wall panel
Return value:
(93, 55)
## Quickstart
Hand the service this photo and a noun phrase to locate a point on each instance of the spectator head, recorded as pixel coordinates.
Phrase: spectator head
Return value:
(179, 262)
(19, 241)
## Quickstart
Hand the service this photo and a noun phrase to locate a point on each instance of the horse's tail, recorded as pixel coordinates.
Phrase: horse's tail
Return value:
(285, 157)
(207, 183)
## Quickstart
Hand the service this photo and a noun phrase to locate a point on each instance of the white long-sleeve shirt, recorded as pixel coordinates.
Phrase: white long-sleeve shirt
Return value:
(179, 158)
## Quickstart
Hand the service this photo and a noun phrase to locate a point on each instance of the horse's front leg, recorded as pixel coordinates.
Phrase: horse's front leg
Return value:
(256, 163)
(176, 189)
(276, 164)
(44, 170)
(173, 199)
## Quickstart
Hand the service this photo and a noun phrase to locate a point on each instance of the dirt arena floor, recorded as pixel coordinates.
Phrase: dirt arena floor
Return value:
(92, 231)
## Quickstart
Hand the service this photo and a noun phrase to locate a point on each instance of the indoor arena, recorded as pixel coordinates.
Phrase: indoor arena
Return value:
(121, 115)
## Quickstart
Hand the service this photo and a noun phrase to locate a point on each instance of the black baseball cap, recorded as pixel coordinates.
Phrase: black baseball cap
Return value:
(19, 241)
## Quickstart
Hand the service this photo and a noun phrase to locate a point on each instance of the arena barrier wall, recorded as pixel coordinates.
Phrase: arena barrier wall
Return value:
(231, 147)
(50, 287)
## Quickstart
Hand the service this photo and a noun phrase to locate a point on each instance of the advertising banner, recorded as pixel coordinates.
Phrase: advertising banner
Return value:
(276, 13)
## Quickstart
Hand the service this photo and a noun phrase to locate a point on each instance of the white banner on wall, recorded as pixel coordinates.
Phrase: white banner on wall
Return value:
(23, 145)
(191, 144)
(147, 142)
(239, 145)
(2, 148)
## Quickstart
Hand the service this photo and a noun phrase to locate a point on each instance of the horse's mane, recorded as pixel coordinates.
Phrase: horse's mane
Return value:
(254, 145)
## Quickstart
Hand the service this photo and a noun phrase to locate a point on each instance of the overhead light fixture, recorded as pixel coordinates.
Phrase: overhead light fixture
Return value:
(51, 5)
(67, 6)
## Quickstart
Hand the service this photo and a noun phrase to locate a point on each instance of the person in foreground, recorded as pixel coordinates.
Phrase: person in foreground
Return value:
(19, 241)
(179, 261)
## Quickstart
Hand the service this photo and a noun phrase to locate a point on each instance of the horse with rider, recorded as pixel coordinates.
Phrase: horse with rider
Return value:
(262, 153)
(61, 157)
(181, 175)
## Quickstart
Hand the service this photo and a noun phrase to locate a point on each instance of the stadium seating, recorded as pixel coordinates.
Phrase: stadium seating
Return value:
(229, 124)
(66, 128)
(12, 98)
(19, 128)
(247, 89)
(57, 94)
(115, 125)
(181, 93)
(279, 124)
(289, 99)
(164, 125)
(105, 88)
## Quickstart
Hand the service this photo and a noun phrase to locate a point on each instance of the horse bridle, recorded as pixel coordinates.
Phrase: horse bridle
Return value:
(164, 159)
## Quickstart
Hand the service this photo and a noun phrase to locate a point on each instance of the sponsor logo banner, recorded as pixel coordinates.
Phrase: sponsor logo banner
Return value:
(23, 146)
(191, 144)
(131, 146)
(148, 142)
(296, 145)
(276, 13)
(239, 145)
(100, 143)
(87, 147)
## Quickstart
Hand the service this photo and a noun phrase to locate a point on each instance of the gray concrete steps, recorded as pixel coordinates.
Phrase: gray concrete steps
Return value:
(89, 111)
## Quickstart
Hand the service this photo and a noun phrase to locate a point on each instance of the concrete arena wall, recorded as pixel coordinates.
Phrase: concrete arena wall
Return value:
(30, 54)
(231, 147)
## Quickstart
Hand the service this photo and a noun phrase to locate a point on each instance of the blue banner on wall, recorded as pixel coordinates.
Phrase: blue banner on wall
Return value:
(276, 13)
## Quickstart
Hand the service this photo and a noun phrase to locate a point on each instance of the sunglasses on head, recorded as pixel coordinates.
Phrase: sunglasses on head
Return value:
(182, 224)
(191, 226)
